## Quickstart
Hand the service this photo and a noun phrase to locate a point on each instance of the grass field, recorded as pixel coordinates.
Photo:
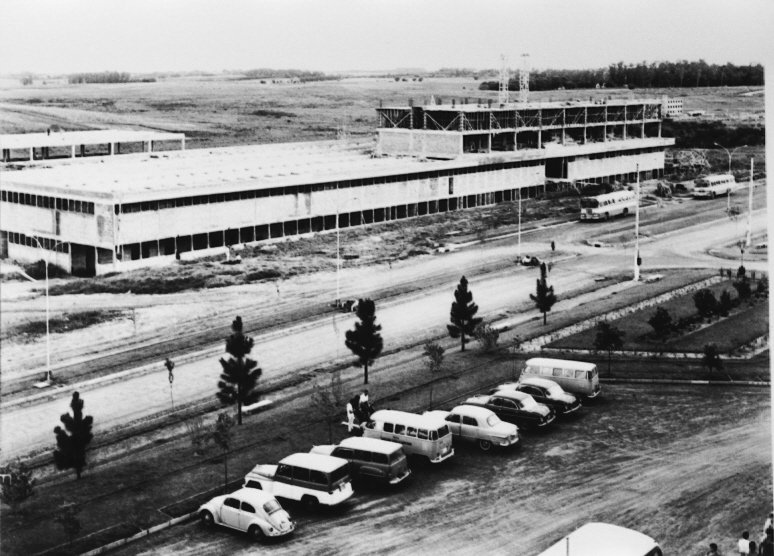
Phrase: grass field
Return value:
(744, 324)
(224, 110)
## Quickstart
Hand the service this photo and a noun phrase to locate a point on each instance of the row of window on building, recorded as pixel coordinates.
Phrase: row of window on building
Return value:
(618, 154)
(30, 241)
(44, 201)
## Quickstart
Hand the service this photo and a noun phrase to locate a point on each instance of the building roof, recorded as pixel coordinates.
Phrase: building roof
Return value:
(171, 174)
(91, 137)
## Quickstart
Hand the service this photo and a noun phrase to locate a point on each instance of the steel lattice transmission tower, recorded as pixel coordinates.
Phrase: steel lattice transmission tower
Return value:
(524, 78)
(502, 95)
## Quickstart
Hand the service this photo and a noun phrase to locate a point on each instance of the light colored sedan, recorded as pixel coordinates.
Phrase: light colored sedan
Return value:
(250, 510)
(480, 425)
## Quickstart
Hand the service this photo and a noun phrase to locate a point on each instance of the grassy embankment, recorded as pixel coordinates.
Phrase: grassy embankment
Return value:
(745, 323)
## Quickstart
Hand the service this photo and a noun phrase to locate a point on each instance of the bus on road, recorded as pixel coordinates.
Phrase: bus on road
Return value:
(607, 205)
(710, 187)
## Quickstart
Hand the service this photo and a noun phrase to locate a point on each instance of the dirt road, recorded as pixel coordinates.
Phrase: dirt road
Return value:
(687, 466)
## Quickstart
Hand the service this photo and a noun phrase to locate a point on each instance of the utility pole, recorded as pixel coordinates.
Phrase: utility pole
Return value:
(338, 249)
(46, 262)
(730, 154)
(748, 238)
(519, 232)
(637, 230)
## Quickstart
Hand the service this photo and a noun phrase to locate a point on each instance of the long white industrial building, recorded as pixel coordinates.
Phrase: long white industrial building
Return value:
(108, 214)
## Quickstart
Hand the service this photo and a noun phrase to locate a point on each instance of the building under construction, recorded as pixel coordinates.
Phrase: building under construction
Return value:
(111, 213)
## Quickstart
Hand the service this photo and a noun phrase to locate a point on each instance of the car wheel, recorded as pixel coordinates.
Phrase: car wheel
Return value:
(206, 518)
(485, 445)
(713, 194)
(607, 216)
(310, 502)
(625, 211)
(256, 533)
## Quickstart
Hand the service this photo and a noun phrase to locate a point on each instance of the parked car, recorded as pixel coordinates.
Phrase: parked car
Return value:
(477, 424)
(370, 458)
(311, 479)
(420, 435)
(603, 539)
(253, 511)
(515, 407)
(529, 260)
(546, 392)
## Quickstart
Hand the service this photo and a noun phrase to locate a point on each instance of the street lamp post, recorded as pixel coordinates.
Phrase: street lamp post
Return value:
(637, 230)
(730, 155)
(519, 234)
(49, 376)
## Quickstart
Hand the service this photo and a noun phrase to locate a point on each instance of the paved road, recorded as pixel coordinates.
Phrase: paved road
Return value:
(405, 319)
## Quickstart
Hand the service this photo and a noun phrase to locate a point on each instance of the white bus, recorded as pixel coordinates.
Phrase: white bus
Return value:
(602, 207)
(710, 187)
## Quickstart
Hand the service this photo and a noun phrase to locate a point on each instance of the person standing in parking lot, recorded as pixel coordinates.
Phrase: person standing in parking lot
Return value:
(767, 546)
(713, 550)
(744, 544)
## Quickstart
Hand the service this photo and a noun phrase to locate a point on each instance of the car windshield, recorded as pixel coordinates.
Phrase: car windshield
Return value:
(493, 420)
(443, 431)
(271, 507)
(589, 202)
(528, 402)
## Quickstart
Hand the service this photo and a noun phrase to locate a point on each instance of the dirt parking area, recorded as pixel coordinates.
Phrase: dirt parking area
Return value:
(686, 465)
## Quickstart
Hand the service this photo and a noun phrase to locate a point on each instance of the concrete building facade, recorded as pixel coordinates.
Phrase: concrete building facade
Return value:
(118, 213)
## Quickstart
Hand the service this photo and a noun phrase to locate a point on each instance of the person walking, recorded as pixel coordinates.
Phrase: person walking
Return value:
(743, 544)
(553, 245)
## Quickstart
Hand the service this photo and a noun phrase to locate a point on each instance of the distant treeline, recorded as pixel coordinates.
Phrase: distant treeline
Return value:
(106, 77)
(641, 75)
(701, 134)
(300, 75)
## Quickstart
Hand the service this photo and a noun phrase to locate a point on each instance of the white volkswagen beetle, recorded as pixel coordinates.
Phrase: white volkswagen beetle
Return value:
(250, 510)
(480, 425)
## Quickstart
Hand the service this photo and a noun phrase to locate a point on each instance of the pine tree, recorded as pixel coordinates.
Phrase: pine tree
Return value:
(365, 341)
(74, 439)
(543, 297)
(463, 313)
(240, 373)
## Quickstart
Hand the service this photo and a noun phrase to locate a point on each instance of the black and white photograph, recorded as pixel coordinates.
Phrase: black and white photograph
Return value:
(390, 277)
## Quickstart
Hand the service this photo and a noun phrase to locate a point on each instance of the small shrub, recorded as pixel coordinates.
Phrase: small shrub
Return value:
(763, 287)
(705, 302)
(661, 321)
(486, 336)
(725, 303)
(198, 434)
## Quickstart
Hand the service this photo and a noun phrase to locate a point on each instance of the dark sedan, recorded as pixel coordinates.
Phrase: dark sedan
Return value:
(546, 392)
(515, 407)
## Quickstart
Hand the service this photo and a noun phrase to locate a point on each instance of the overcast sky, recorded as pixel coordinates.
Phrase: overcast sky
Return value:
(61, 36)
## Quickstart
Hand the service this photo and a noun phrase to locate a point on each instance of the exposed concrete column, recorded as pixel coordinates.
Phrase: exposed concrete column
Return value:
(624, 123)
(585, 122)
(72, 151)
(424, 120)
(182, 144)
(604, 127)
(643, 122)
(32, 153)
(489, 142)
(110, 152)
(564, 123)
(83, 151)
